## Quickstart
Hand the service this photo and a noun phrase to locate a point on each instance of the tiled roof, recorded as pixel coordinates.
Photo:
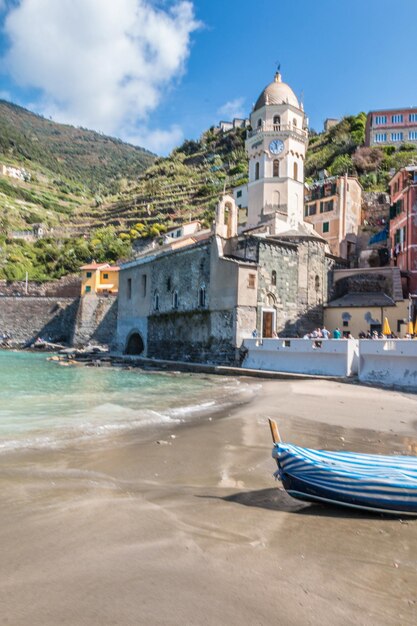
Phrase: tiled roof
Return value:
(94, 266)
(370, 299)
(100, 266)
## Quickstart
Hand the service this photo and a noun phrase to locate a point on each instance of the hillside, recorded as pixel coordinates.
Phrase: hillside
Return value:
(185, 185)
(341, 150)
(82, 156)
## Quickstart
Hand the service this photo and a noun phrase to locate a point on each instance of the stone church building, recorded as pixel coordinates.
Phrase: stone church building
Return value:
(200, 300)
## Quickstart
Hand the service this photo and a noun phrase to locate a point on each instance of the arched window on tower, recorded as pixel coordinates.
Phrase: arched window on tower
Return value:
(275, 168)
(259, 123)
(295, 171)
(273, 278)
(294, 123)
(228, 218)
(277, 122)
(156, 301)
(175, 300)
(226, 213)
(202, 296)
(257, 171)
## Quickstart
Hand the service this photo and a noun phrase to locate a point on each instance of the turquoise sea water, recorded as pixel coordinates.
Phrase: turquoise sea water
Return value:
(43, 404)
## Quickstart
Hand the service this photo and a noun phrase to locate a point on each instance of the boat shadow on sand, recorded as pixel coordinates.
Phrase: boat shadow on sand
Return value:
(278, 500)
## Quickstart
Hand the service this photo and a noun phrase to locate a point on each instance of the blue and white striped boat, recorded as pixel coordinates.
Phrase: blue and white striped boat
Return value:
(384, 484)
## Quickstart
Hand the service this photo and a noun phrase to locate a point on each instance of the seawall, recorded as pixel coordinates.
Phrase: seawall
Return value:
(72, 321)
(22, 319)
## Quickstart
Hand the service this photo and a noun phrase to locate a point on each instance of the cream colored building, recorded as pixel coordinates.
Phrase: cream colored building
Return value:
(334, 207)
(276, 148)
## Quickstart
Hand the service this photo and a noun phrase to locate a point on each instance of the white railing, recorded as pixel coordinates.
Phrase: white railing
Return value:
(270, 127)
(388, 362)
(325, 357)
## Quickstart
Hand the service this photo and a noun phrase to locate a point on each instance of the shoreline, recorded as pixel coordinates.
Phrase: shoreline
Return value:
(197, 531)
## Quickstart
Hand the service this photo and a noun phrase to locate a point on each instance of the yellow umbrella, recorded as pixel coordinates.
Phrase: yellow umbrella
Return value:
(386, 330)
(415, 327)
(410, 329)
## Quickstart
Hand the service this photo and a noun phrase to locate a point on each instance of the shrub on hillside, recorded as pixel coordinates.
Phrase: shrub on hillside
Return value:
(367, 159)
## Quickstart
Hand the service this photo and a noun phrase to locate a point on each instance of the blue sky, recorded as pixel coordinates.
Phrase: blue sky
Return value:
(155, 72)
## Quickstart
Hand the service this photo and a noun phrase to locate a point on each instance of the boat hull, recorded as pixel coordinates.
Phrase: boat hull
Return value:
(376, 483)
(299, 490)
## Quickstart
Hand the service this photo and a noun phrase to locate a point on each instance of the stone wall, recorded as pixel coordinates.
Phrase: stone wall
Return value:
(66, 287)
(283, 259)
(190, 332)
(71, 321)
(302, 283)
(199, 336)
(23, 319)
(364, 283)
(184, 273)
(96, 321)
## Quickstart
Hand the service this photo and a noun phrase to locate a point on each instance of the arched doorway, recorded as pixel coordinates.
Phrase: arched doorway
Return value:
(134, 344)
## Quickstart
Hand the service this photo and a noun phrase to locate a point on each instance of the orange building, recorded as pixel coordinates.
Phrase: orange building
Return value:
(334, 207)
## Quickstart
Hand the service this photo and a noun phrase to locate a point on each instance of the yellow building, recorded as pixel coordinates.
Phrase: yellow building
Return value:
(356, 313)
(99, 278)
(363, 298)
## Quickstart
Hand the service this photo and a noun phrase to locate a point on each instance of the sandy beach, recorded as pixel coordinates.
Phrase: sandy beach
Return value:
(194, 530)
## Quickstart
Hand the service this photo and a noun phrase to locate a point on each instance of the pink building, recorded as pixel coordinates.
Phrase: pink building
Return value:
(391, 127)
(403, 224)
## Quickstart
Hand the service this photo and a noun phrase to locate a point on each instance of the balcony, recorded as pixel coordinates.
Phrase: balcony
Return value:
(276, 128)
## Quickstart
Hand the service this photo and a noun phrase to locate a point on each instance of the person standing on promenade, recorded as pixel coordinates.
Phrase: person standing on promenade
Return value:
(337, 334)
(325, 333)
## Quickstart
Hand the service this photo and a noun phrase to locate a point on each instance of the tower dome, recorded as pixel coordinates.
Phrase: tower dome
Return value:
(277, 92)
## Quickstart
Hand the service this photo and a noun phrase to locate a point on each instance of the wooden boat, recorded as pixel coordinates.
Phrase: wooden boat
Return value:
(383, 484)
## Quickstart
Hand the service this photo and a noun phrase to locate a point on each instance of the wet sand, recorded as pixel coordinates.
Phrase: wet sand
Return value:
(196, 531)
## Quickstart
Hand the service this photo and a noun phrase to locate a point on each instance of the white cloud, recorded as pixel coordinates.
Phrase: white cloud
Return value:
(233, 108)
(101, 64)
(159, 141)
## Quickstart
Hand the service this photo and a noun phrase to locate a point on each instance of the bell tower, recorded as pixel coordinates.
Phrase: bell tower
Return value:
(276, 147)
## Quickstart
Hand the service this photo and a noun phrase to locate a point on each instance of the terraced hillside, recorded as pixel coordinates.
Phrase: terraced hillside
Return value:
(186, 184)
(39, 198)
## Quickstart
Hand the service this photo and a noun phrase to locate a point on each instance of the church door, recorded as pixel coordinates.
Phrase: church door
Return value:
(267, 323)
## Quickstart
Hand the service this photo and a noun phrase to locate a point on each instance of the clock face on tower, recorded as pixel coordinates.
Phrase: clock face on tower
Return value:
(276, 146)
